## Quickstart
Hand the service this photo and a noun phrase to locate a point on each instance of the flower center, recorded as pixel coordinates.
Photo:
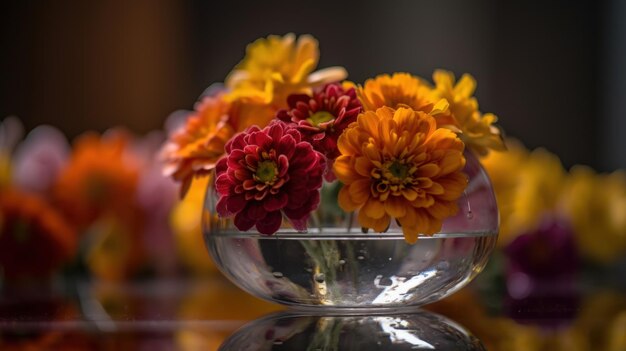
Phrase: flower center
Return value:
(266, 171)
(396, 171)
(320, 117)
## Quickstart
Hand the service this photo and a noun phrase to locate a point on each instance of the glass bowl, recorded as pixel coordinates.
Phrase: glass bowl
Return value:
(405, 331)
(334, 265)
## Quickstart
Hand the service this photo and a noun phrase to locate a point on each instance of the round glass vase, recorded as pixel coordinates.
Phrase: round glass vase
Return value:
(334, 265)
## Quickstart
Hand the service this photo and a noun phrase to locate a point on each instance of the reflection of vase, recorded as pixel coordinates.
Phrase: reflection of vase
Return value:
(336, 265)
(409, 331)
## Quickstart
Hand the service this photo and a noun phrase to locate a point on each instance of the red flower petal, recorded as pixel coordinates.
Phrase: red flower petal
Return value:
(235, 203)
(286, 146)
(221, 208)
(256, 211)
(276, 202)
(270, 224)
(299, 224)
(223, 184)
(242, 222)
(221, 166)
(261, 139)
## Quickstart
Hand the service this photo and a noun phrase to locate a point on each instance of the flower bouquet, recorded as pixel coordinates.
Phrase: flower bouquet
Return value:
(324, 192)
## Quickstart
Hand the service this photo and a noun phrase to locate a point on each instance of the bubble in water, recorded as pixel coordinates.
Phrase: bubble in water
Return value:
(319, 277)
(277, 274)
(360, 257)
(390, 258)
(443, 265)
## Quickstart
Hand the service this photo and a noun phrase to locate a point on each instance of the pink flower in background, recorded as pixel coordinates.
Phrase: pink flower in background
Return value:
(267, 173)
(40, 158)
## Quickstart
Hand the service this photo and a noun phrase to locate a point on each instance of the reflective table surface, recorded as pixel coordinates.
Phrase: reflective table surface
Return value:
(212, 314)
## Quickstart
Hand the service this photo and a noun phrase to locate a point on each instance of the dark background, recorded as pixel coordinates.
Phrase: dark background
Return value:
(552, 71)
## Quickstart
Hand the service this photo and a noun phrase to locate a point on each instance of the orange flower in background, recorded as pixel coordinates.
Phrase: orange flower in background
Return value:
(100, 178)
(35, 240)
(476, 130)
(397, 164)
(596, 207)
(399, 90)
(195, 148)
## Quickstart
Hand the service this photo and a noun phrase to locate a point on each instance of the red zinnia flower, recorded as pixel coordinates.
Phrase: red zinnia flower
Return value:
(266, 173)
(321, 118)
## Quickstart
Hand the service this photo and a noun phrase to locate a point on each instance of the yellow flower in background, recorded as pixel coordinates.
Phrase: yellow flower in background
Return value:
(399, 90)
(274, 68)
(116, 251)
(5, 169)
(527, 186)
(596, 207)
(397, 164)
(185, 220)
(476, 130)
(195, 148)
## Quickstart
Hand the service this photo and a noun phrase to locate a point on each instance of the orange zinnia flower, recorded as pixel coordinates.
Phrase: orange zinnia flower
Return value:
(399, 90)
(477, 130)
(396, 163)
(35, 239)
(196, 147)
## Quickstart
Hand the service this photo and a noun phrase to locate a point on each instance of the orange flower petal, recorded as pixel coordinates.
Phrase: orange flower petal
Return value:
(345, 201)
(359, 190)
(374, 208)
(378, 224)
(395, 207)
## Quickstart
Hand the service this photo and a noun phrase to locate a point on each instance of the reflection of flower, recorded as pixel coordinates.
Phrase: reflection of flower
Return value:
(322, 117)
(199, 143)
(477, 130)
(276, 67)
(35, 240)
(267, 172)
(398, 164)
(596, 207)
(399, 90)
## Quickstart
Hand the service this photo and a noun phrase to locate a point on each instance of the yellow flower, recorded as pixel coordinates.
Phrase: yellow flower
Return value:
(399, 90)
(527, 186)
(185, 220)
(476, 130)
(196, 147)
(396, 163)
(596, 206)
(274, 68)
